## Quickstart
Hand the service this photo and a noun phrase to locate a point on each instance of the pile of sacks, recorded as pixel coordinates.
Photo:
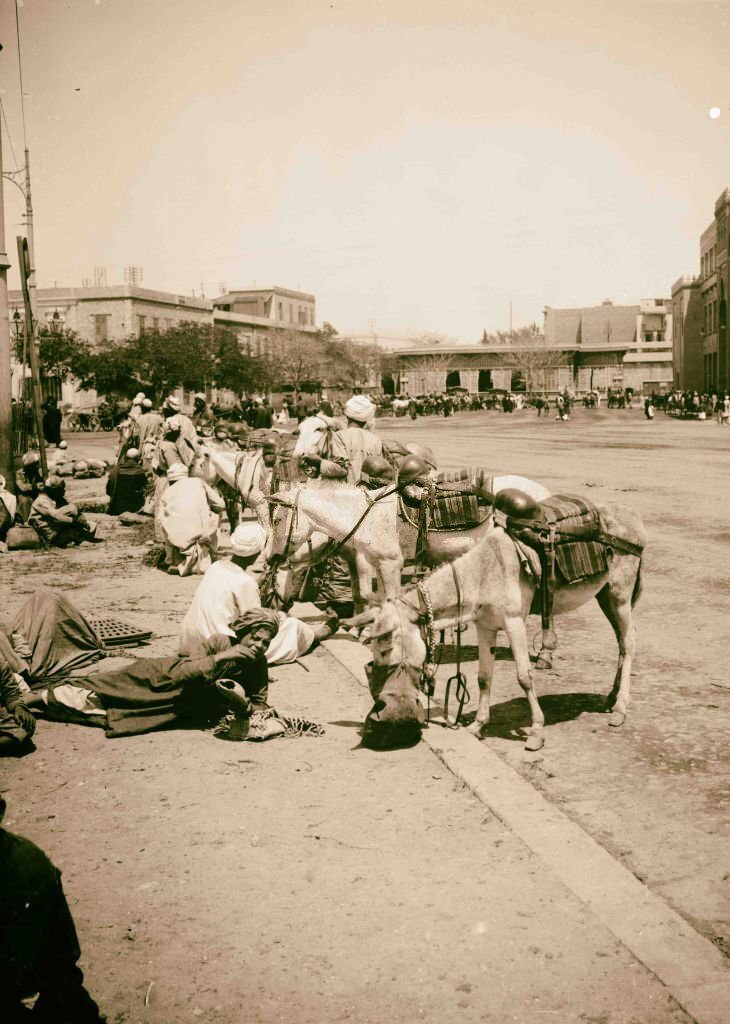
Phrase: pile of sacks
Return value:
(80, 469)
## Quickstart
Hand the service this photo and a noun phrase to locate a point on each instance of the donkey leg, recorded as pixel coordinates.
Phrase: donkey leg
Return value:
(514, 627)
(487, 640)
(615, 603)
(389, 578)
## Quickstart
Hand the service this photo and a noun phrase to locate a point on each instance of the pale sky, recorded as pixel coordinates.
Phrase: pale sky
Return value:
(420, 164)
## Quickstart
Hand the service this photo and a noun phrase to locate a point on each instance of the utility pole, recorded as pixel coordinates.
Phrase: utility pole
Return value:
(7, 455)
(31, 343)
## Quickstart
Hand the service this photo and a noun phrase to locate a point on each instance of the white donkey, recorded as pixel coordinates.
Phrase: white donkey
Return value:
(489, 586)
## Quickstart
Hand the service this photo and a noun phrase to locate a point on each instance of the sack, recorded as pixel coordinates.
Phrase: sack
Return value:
(23, 538)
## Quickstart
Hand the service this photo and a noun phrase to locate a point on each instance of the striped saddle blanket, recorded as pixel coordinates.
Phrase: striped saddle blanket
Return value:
(575, 526)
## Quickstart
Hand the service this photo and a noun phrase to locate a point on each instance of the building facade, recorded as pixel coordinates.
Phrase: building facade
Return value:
(254, 313)
(702, 359)
(584, 349)
(101, 314)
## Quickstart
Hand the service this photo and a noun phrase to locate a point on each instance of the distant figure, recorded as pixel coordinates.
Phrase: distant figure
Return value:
(52, 421)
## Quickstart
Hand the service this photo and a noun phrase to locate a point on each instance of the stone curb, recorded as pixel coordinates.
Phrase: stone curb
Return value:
(692, 969)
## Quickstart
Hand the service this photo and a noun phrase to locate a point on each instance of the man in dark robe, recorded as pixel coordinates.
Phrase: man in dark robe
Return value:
(126, 485)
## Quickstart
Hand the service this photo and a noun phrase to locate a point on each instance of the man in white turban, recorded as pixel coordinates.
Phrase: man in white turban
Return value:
(353, 444)
(188, 518)
(229, 590)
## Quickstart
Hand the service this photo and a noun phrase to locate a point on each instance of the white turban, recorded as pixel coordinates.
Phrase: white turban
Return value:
(146, 403)
(360, 408)
(173, 402)
(132, 453)
(177, 471)
(138, 398)
(248, 539)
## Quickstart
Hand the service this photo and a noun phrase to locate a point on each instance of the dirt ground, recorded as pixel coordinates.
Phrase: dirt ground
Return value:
(309, 880)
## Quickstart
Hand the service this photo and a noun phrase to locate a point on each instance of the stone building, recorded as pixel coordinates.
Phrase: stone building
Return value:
(254, 312)
(103, 313)
(701, 357)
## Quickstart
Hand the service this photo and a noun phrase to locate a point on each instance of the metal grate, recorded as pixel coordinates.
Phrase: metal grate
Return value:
(114, 633)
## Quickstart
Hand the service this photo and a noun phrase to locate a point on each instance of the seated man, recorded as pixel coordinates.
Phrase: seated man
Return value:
(189, 513)
(8, 510)
(57, 521)
(229, 590)
(17, 724)
(127, 484)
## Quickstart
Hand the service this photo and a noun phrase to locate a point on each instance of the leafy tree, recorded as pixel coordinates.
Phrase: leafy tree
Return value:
(190, 355)
(61, 353)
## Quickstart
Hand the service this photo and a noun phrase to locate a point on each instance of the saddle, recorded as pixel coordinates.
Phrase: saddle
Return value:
(447, 508)
(565, 532)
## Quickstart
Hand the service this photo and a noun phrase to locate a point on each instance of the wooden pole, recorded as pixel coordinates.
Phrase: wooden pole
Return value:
(32, 346)
(7, 455)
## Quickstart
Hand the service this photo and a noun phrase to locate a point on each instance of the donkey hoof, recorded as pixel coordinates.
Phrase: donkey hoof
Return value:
(478, 729)
(534, 741)
(617, 719)
(544, 660)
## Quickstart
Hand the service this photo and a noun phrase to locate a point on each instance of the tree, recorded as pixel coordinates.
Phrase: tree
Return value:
(61, 353)
(426, 367)
(528, 352)
(188, 355)
(293, 359)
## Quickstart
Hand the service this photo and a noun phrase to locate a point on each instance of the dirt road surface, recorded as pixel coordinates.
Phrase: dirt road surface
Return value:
(308, 880)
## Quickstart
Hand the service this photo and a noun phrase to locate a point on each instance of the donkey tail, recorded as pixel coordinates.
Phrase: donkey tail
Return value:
(637, 585)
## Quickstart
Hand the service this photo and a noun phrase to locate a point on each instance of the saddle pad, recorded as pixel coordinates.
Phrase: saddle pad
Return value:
(451, 511)
(572, 517)
(464, 479)
(578, 559)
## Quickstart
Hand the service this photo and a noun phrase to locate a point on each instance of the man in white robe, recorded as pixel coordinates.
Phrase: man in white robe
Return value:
(227, 591)
(188, 517)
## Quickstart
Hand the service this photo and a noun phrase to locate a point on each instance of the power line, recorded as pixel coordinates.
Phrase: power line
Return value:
(10, 141)
(20, 73)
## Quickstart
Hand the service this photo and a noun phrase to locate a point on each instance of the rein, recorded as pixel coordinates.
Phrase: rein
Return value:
(335, 546)
(430, 665)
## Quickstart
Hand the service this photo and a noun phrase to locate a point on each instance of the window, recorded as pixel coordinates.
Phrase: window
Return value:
(141, 322)
(281, 310)
(291, 313)
(155, 323)
(101, 327)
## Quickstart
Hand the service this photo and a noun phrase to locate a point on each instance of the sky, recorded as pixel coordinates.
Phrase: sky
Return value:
(418, 166)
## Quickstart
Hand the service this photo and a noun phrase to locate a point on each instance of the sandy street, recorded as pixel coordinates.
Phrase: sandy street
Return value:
(309, 881)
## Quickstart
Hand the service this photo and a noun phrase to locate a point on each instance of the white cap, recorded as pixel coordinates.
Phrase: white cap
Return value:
(132, 453)
(138, 398)
(248, 539)
(177, 471)
(359, 408)
(173, 402)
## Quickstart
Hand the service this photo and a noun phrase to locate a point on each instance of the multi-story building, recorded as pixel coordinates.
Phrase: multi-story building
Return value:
(687, 324)
(106, 313)
(254, 312)
(586, 348)
(702, 359)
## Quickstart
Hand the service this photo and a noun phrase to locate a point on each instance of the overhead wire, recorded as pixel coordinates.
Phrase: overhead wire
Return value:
(20, 74)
